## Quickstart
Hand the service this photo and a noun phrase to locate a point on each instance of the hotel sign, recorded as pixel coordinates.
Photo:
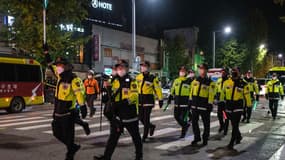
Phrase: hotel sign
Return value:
(102, 5)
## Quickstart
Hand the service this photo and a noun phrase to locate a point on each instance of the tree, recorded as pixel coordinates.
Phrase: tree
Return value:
(27, 30)
(256, 33)
(231, 54)
(177, 57)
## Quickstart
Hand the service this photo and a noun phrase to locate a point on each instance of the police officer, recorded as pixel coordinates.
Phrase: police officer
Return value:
(92, 89)
(69, 90)
(148, 86)
(253, 87)
(224, 122)
(236, 93)
(274, 91)
(125, 112)
(180, 91)
(202, 97)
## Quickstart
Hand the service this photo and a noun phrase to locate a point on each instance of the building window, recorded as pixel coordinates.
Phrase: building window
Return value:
(107, 52)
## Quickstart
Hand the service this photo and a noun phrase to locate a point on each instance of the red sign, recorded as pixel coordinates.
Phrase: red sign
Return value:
(96, 47)
(23, 89)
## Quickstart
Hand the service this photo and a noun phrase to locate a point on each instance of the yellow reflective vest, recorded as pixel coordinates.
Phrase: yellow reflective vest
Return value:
(180, 90)
(69, 91)
(236, 94)
(219, 89)
(125, 102)
(274, 89)
(148, 86)
(202, 92)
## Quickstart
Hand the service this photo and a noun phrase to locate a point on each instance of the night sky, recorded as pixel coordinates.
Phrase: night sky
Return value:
(155, 16)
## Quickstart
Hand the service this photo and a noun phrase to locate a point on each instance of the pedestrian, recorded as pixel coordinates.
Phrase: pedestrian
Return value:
(254, 90)
(69, 90)
(92, 90)
(180, 91)
(274, 91)
(201, 98)
(148, 86)
(125, 112)
(221, 113)
(236, 94)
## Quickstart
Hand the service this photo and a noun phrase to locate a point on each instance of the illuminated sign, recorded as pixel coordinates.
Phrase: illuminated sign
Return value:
(102, 5)
(70, 28)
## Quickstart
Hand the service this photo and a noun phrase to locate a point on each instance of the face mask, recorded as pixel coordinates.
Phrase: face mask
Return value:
(234, 74)
(191, 75)
(182, 74)
(59, 70)
(121, 73)
(114, 73)
(274, 78)
(144, 69)
(89, 76)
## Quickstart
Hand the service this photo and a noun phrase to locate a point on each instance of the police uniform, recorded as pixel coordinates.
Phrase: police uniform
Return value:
(69, 92)
(274, 91)
(125, 115)
(236, 94)
(253, 88)
(180, 91)
(202, 94)
(221, 113)
(148, 86)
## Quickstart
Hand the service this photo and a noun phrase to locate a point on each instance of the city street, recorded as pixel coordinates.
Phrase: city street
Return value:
(28, 136)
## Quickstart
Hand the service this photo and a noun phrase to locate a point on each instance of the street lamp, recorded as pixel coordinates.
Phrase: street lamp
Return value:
(280, 56)
(227, 30)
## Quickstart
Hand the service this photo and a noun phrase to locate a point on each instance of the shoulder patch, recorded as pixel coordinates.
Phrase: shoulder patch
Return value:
(134, 85)
(77, 84)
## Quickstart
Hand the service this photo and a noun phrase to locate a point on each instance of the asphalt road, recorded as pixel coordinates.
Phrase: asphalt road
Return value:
(27, 136)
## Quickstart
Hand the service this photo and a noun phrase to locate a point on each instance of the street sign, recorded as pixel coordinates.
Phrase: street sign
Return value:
(45, 4)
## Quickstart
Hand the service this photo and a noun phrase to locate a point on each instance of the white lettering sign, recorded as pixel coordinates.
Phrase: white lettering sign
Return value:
(103, 5)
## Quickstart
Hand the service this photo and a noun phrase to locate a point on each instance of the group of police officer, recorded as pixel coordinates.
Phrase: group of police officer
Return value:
(130, 99)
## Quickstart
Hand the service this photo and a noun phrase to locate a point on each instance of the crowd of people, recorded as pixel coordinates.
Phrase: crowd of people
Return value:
(129, 100)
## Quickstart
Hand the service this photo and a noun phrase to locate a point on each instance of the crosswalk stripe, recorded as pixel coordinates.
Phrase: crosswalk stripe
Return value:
(279, 154)
(175, 145)
(106, 132)
(10, 117)
(20, 119)
(156, 133)
(26, 122)
(182, 142)
(37, 126)
(107, 124)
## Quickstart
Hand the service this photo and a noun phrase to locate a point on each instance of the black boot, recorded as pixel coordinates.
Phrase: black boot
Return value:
(100, 158)
(70, 154)
(184, 131)
(151, 130)
(238, 141)
(86, 128)
(195, 142)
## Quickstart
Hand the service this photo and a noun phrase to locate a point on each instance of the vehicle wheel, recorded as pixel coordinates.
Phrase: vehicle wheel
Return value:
(16, 105)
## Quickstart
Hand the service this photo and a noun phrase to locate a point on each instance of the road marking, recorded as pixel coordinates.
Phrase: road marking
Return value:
(107, 124)
(175, 145)
(156, 133)
(22, 123)
(249, 127)
(106, 132)
(37, 126)
(10, 117)
(279, 154)
(19, 120)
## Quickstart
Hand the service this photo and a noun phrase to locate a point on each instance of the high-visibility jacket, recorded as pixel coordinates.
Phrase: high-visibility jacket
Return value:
(219, 89)
(274, 89)
(148, 87)
(91, 86)
(202, 92)
(253, 86)
(125, 98)
(180, 90)
(236, 94)
(69, 90)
